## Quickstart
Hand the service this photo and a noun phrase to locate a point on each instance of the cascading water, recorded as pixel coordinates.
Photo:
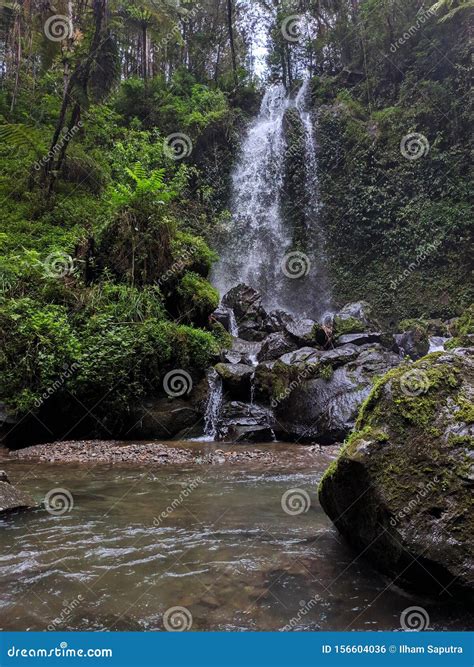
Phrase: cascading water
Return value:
(315, 249)
(258, 240)
(259, 249)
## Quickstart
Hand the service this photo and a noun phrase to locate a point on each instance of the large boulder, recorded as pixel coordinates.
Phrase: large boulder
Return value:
(354, 318)
(323, 395)
(401, 491)
(413, 343)
(11, 498)
(275, 346)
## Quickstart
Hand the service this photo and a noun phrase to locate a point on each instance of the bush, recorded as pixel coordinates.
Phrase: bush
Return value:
(38, 349)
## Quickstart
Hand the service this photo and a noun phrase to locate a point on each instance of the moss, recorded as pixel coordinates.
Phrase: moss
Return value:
(349, 325)
(414, 325)
(221, 335)
(459, 341)
(466, 410)
(326, 372)
(198, 299)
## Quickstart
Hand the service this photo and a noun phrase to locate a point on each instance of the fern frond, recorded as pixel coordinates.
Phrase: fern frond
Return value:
(21, 136)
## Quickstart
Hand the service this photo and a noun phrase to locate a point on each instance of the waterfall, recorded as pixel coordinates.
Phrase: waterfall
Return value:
(258, 240)
(259, 248)
(316, 244)
(213, 405)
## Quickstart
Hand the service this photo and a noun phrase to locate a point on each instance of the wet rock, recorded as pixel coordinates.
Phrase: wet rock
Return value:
(305, 355)
(322, 402)
(401, 490)
(237, 379)
(277, 321)
(11, 498)
(354, 318)
(232, 357)
(275, 346)
(163, 418)
(245, 422)
(246, 304)
(360, 339)
(302, 331)
(225, 316)
(414, 343)
(247, 349)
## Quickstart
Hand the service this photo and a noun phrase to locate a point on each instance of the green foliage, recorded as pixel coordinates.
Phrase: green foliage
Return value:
(198, 299)
(38, 349)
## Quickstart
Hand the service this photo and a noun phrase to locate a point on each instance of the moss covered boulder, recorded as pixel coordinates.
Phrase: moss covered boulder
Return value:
(401, 491)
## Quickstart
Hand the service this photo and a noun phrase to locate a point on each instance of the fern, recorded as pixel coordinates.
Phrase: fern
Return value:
(452, 6)
(21, 136)
(153, 184)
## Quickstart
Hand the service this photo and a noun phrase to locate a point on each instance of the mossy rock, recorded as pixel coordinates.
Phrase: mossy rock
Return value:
(401, 489)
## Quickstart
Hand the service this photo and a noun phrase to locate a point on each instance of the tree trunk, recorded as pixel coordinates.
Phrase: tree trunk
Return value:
(144, 52)
(230, 26)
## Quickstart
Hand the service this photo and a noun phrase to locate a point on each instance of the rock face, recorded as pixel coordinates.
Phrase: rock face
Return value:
(402, 488)
(242, 422)
(329, 390)
(237, 379)
(11, 498)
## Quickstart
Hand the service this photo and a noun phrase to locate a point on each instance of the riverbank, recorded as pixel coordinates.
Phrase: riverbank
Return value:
(170, 453)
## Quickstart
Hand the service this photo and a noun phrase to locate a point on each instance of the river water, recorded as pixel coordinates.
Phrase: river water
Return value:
(225, 550)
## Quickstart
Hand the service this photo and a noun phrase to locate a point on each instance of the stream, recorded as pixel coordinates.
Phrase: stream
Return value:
(226, 551)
